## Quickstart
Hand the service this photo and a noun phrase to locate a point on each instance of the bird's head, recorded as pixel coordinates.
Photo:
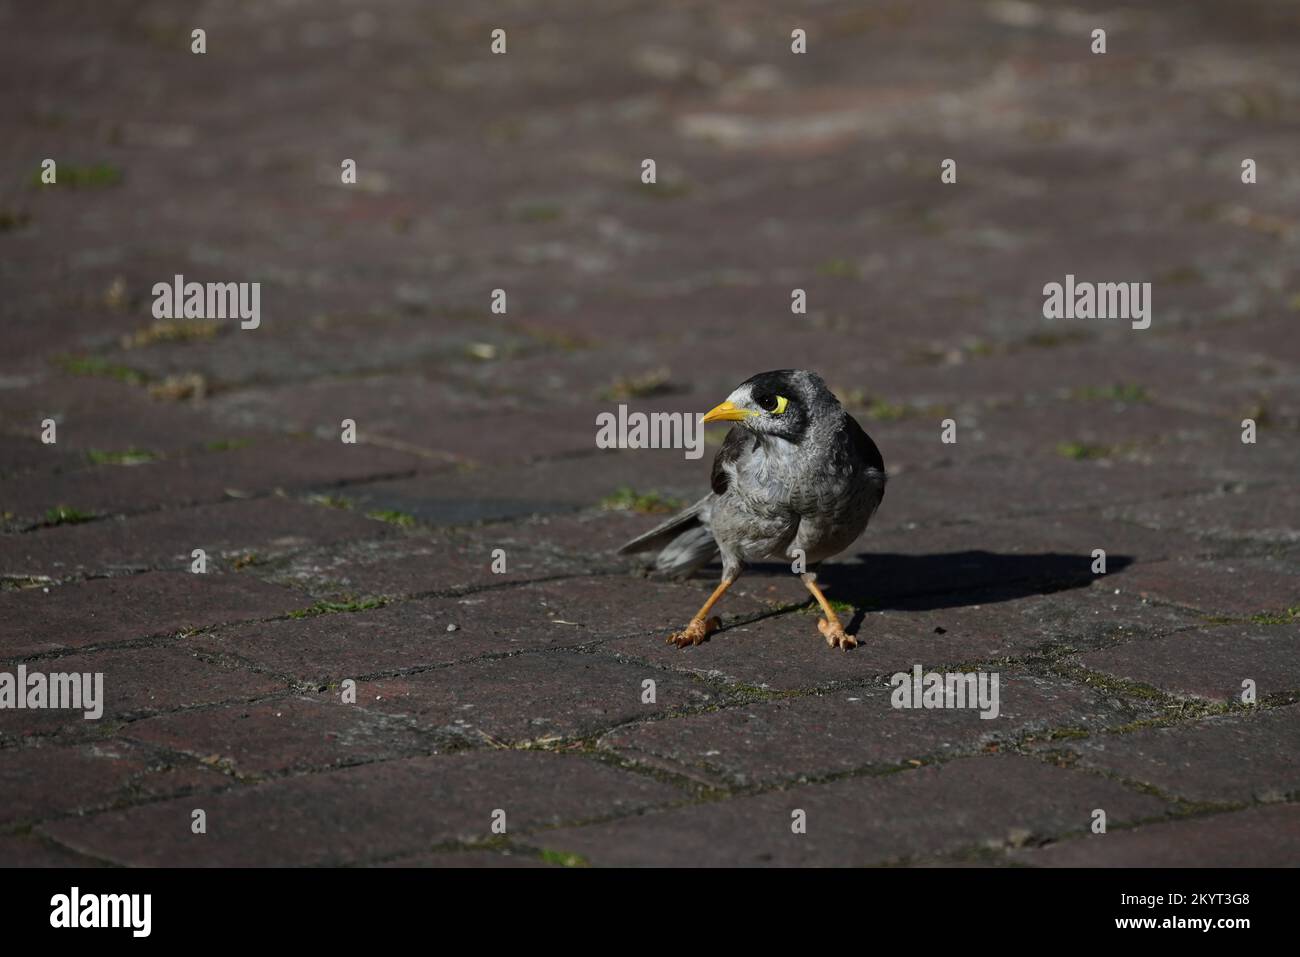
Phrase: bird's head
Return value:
(784, 403)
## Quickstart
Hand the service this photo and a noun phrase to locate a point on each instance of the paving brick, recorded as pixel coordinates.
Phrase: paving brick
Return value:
(529, 698)
(550, 487)
(29, 851)
(970, 803)
(879, 575)
(292, 352)
(419, 564)
(1051, 371)
(1259, 514)
(474, 859)
(402, 408)
(516, 436)
(890, 580)
(1269, 397)
(786, 652)
(47, 782)
(287, 734)
(1233, 587)
(616, 605)
(392, 406)
(591, 537)
(680, 373)
(366, 813)
(105, 610)
(1254, 837)
(1052, 548)
(26, 453)
(809, 737)
(1226, 759)
(208, 477)
(1133, 429)
(1257, 340)
(1228, 462)
(136, 681)
(166, 539)
(1030, 485)
(1210, 663)
(110, 416)
(411, 635)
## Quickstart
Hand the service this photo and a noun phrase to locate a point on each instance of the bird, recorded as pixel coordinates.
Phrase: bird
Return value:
(797, 479)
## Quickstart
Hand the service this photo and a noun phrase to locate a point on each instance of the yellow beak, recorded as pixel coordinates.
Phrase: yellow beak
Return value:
(726, 413)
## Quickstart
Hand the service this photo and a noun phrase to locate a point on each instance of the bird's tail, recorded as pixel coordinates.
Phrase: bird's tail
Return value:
(685, 542)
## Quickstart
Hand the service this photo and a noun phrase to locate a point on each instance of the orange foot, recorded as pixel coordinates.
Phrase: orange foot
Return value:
(835, 636)
(695, 632)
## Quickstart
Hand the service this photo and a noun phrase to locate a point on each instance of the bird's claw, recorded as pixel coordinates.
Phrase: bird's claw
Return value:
(695, 632)
(835, 635)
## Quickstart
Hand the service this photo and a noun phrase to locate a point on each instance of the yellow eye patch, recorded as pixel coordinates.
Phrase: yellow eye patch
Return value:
(781, 403)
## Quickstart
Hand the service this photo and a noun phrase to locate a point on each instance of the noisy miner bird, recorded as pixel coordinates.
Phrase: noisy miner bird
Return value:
(797, 479)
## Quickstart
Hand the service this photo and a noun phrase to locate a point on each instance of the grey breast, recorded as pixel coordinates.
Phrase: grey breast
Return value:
(754, 518)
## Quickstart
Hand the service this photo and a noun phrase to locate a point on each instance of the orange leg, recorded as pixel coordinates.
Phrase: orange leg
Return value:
(701, 626)
(830, 625)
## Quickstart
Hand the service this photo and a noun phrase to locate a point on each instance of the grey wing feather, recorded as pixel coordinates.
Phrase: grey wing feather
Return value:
(688, 552)
(685, 541)
(865, 450)
(661, 535)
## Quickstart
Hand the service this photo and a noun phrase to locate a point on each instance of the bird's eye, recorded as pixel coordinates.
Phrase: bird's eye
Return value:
(773, 403)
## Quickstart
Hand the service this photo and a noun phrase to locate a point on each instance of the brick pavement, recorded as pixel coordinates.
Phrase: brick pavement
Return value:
(335, 568)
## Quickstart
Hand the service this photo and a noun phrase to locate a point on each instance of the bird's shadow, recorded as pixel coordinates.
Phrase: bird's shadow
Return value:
(885, 581)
